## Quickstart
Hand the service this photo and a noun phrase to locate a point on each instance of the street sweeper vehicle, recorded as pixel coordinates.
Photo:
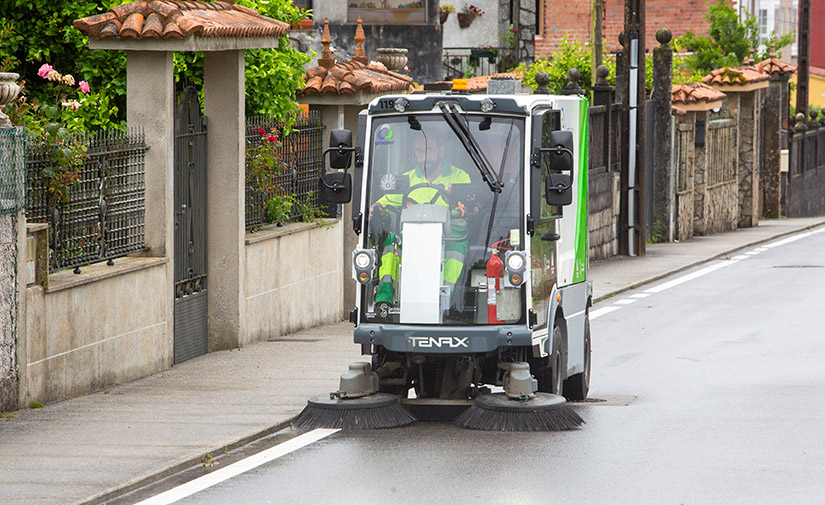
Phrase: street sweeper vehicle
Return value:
(471, 266)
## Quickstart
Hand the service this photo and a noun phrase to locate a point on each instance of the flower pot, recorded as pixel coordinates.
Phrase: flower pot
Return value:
(393, 58)
(442, 16)
(8, 92)
(465, 19)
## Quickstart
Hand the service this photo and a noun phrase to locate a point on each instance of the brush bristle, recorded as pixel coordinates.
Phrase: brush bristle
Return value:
(387, 416)
(556, 419)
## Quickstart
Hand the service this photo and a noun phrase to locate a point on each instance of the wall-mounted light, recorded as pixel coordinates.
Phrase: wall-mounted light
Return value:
(401, 104)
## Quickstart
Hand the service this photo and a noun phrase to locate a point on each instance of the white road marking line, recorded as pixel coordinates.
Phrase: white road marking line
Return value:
(761, 249)
(821, 230)
(602, 311)
(626, 301)
(238, 468)
(790, 239)
(640, 295)
(690, 277)
(740, 257)
(751, 253)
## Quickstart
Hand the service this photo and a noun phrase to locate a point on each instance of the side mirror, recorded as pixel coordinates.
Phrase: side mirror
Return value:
(336, 187)
(559, 181)
(340, 149)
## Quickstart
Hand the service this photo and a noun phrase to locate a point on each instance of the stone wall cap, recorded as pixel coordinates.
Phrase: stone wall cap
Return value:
(695, 92)
(351, 76)
(740, 75)
(167, 19)
(776, 66)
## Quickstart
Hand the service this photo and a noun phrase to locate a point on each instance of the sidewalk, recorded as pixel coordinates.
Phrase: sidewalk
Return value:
(92, 448)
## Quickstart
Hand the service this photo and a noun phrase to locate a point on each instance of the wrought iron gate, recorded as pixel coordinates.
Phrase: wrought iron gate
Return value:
(190, 226)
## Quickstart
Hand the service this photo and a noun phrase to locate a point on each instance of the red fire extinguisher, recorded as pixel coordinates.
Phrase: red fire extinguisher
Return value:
(495, 271)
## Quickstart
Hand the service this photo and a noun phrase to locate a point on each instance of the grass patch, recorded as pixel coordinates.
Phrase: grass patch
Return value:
(35, 405)
(6, 415)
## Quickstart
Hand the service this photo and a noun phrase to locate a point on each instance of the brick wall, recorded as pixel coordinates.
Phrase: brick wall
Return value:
(572, 17)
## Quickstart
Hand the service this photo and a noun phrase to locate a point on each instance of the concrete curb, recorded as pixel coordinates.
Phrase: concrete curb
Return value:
(702, 262)
(154, 477)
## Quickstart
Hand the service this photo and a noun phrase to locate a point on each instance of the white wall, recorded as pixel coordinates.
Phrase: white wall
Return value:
(483, 32)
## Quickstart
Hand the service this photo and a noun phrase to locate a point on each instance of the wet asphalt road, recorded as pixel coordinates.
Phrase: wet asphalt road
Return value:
(729, 383)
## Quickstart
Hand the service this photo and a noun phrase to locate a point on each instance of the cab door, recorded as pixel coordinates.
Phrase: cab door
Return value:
(544, 219)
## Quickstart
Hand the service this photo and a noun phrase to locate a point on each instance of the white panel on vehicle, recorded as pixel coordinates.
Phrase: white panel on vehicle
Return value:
(421, 256)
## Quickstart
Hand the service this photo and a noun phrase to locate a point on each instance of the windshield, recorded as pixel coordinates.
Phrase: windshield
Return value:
(434, 223)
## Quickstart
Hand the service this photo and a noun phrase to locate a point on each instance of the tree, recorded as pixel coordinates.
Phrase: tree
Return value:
(35, 32)
(730, 41)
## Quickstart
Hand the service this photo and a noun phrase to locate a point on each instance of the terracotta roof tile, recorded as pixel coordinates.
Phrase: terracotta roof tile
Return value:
(694, 92)
(739, 75)
(156, 19)
(351, 76)
(775, 66)
(480, 83)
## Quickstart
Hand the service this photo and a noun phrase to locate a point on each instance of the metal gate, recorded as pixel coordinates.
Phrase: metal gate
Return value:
(190, 226)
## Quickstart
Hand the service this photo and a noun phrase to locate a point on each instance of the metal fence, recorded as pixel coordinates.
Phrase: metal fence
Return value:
(721, 151)
(805, 179)
(301, 151)
(684, 153)
(12, 170)
(104, 216)
(458, 62)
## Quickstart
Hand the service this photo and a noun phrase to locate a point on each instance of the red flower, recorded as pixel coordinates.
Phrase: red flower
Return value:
(271, 138)
(262, 131)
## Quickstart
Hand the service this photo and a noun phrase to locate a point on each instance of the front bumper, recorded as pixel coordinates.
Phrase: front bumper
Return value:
(424, 339)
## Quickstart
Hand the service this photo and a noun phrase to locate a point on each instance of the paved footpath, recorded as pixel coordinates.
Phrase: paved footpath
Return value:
(95, 447)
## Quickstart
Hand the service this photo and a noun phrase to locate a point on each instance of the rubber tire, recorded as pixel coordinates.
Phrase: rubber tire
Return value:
(577, 386)
(550, 377)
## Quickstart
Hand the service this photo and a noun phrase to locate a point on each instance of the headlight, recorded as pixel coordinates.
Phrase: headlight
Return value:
(362, 260)
(401, 104)
(515, 262)
(487, 105)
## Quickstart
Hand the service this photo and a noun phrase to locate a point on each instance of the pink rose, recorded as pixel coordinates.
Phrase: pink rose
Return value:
(44, 70)
(84, 86)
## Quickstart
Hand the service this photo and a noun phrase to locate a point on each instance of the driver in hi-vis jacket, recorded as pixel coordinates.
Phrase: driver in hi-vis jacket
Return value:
(430, 180)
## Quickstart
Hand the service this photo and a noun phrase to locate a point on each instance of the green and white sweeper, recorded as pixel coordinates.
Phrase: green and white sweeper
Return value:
(471, 266)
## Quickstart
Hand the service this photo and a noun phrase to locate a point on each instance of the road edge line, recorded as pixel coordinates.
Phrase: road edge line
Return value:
(659, 277)
(154, 477)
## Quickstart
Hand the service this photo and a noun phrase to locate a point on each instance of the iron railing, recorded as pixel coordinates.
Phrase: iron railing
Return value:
(301, 151)
(461, 62)
(103, 218)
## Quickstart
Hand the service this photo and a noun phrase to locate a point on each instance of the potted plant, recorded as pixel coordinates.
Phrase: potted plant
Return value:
(444, 12)
(468, 14)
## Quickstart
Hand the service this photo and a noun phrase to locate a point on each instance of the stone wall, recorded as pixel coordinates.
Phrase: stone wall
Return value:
(105, 326)
(294, 278)
(603, 213)
(8, 312)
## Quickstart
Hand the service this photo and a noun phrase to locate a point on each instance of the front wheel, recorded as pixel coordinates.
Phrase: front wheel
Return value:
(577, 386)
(550, 369)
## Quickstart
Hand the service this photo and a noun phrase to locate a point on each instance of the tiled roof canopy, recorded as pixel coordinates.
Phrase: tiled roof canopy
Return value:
(739, 75)
(156, 19)
(354, 75)
(774, 65)
(694, 92)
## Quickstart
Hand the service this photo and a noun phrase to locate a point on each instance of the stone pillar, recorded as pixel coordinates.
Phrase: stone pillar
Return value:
(772, 141)
(224, 94)
(527, 16)
(748, 160)
(664, 193)
(150, 107)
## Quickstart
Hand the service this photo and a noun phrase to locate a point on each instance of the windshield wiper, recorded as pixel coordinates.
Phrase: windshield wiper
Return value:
(451, 114)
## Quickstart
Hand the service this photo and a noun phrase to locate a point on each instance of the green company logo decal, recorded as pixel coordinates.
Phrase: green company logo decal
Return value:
(383, 136)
